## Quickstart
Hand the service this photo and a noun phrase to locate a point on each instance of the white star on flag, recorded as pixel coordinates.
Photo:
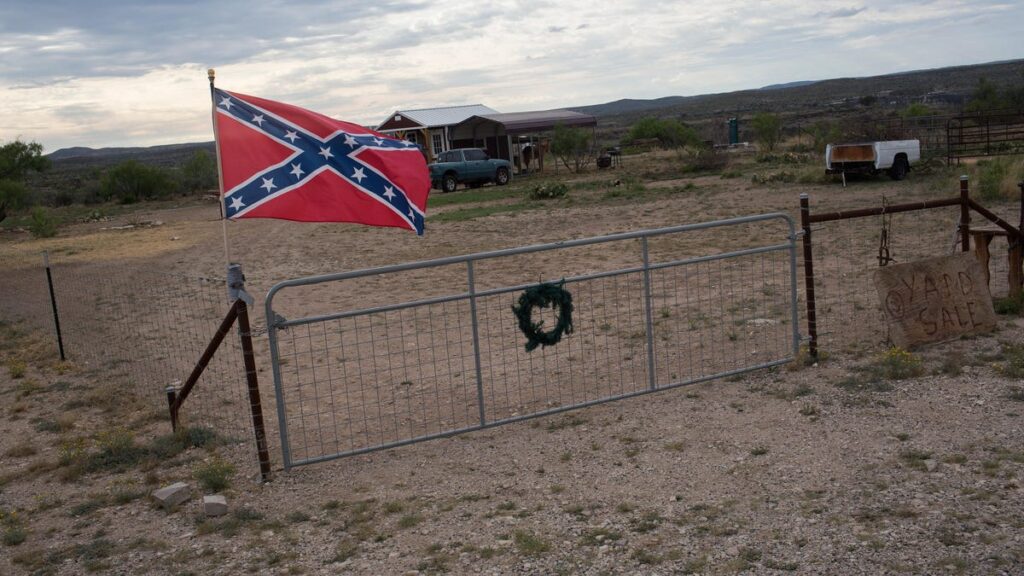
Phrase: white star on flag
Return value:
(326, 153)
(349, 140)
(358, 175)
(237, 204)
(389, 193)
(258, 119)
(268, 184)
(297, 171)
(226, 102)
(378, 141)
(411, 215)
(291, 136)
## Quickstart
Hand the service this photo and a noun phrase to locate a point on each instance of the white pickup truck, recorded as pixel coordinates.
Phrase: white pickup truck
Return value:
(894, 156)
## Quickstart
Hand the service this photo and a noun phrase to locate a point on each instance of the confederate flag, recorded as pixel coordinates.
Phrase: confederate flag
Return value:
(281, 161)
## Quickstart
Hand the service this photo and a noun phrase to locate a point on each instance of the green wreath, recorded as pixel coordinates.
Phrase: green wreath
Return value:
(544, 295)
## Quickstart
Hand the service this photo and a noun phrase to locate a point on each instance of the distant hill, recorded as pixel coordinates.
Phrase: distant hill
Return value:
(151, 154)
(804, 102)
(789, 85)
(899, 87)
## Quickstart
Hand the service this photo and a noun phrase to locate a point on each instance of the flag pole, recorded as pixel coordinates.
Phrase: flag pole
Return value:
(211, 74)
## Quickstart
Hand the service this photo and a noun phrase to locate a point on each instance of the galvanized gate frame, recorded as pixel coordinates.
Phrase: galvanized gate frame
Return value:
(276, 322)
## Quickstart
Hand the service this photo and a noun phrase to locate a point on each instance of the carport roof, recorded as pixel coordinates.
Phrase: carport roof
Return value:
(523, 122)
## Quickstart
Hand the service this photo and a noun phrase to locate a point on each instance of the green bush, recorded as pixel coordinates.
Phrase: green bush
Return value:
(706, 160)
(669, 132)
(214, 475)
(767, 130)
(199, 173)
(131, 182)
(548, 191)
(42, 224)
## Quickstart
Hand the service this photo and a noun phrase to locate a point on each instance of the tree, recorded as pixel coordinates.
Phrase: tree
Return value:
(17, 159)
(199, 173)
(767, 130)
(573, 147)
(130, 181)
(670, 133)
(985, 97)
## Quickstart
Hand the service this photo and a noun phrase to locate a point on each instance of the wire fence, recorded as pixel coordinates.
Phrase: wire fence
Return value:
(139, 330)
(846, 255)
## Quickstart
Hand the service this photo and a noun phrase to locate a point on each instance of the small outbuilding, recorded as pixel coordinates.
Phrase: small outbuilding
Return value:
(522, 138)
(430, 127)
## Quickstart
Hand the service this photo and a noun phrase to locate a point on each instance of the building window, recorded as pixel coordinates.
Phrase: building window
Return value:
(438, 143)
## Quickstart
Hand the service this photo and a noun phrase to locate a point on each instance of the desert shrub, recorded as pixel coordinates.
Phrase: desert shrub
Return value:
(915, 110)
(822, 133)
(705, 160)
(899, 364)
(670, 133)
(214, 475)
(1010, 305)
(767, 130)
(783, 176)
(547, 191)
(117, 451)
(42, 224)
(998, 178)
(573, 146)
(131, 182)
(199, 173)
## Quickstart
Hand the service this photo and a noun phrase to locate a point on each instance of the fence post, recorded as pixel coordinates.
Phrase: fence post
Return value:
(172, 395)
(53, 304)
(965, 215)
(236, 291)
(812, 316)
(471, 284)
(649, 316)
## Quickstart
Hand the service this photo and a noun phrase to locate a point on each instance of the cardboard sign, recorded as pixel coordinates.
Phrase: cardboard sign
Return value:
(935, 299)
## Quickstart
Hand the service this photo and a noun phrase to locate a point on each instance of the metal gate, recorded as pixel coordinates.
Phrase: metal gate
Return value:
(671, 306)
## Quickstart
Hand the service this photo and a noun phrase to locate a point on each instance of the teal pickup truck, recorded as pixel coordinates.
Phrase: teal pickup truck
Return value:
(470, 166)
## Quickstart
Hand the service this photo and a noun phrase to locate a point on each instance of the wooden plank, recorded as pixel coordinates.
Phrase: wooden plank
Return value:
(935, 299)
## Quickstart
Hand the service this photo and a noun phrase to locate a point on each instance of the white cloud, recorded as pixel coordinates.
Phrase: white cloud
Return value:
(132, 73)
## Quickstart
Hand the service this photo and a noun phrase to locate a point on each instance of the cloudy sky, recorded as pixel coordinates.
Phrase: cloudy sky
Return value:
(122, 73)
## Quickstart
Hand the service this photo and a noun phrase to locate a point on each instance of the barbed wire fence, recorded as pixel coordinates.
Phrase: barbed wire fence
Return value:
(142, 330)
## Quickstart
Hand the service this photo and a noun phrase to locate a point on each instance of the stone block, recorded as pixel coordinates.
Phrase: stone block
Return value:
(215, 505)
(170, 496)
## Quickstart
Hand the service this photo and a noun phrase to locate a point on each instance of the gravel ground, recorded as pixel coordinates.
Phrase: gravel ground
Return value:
(814, 470)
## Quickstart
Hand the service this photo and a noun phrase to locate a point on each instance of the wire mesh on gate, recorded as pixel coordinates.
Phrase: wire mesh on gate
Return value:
(387, 374)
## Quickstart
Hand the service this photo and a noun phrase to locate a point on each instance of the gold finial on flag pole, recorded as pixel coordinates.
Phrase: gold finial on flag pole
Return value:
(211, 74)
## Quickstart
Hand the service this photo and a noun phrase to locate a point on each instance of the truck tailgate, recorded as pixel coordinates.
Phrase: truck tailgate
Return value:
(852, 153)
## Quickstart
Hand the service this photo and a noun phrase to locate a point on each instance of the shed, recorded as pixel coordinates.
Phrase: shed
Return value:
(429, 127)
(519, 137)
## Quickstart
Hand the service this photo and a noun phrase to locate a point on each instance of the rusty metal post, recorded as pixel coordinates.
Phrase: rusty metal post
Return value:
(965, 215)
(812, 316)
(252, 382)
(171, 397)
(236, 291)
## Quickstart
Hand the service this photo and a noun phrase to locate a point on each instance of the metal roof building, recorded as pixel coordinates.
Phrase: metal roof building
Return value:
(519, 137)
(429, 127)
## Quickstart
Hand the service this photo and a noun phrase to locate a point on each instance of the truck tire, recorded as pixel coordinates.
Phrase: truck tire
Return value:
(501, 178)
(449, 183)
(899, 169)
